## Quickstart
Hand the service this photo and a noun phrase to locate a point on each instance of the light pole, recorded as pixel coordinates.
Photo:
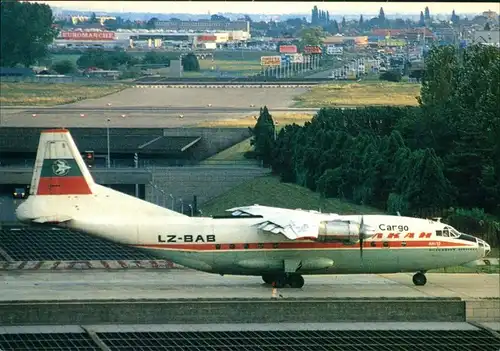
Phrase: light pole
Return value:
(191, 208)
(182, 205)
(108, 159)
(173, 200)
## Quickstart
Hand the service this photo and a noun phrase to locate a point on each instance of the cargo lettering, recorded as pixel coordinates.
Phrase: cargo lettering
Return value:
(170, 238)
(399, 228)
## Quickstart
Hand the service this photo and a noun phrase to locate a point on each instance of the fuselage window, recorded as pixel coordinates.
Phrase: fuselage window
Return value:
(217, 246)
(231, 246)
(275, 245)
(373, 244)
(260, 245)
(385, 243)
(246, 246)
(439, 233)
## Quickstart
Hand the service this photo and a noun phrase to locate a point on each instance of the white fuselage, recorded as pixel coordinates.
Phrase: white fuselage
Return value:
(234, 246)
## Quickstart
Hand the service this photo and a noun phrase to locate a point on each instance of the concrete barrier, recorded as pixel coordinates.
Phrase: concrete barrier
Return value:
(203, 311)
(483, 310)
(84, 265)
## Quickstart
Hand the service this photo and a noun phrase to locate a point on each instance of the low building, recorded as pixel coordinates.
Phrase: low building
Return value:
(204, 25)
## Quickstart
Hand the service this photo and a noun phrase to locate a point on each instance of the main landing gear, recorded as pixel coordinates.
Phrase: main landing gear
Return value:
(419, 279)
(293, 280)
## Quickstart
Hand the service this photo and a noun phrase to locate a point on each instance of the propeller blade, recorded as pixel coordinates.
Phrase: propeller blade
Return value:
(361, 236)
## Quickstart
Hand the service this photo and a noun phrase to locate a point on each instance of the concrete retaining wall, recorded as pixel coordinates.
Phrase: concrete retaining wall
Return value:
(483, 310)
(231, 311)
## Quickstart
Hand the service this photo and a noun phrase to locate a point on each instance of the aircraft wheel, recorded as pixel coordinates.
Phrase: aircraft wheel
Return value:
(296, 281)
(419, 279)
(279, 281)
(268, 278)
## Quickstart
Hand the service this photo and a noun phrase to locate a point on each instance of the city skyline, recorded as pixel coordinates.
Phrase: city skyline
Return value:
(269, 8)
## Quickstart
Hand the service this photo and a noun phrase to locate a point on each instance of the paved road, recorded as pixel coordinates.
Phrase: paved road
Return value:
(175, 284)
(153, 109)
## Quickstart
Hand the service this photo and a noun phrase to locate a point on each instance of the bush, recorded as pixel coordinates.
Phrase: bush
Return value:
(64, 67)
(391, 76)
(190, 63)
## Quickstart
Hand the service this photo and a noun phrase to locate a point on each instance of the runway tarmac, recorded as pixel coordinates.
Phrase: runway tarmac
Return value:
(172, 284)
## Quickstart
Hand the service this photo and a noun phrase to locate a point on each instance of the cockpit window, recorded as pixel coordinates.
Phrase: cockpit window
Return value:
(439, 233)
(449, 232)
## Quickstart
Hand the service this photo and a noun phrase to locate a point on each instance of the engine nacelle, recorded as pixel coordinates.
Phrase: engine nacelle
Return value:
(338, 231)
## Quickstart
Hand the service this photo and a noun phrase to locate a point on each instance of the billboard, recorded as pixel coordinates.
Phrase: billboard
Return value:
(88, 35)
(207, 37)
(270, 60)
(288, 49)
(334, 50)
(312, 50)
(296, 58)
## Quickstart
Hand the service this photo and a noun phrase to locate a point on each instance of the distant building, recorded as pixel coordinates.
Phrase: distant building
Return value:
(491, 15)
(489, 37)
(204, 25)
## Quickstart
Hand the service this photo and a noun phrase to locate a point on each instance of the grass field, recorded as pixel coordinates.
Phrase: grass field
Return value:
(234, 153)
(232, 62)
(44, 94)
(345, 94)
(270, 191)
(283, 118)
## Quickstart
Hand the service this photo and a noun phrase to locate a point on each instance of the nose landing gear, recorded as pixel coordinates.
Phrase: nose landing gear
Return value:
(293, 280)
(419, 279)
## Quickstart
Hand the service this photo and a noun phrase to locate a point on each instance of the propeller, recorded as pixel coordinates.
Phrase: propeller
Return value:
(362, 234)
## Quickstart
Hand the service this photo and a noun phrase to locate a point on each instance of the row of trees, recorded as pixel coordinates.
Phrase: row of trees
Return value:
(443, 155)
(118, 59)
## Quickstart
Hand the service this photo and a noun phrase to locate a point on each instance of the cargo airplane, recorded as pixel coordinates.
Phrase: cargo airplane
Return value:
(281, 245)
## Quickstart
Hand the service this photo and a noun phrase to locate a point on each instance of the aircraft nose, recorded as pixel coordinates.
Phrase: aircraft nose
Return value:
(487, 248)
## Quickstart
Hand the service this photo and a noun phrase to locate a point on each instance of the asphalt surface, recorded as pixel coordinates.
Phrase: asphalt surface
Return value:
(185, 284)
(155, 108)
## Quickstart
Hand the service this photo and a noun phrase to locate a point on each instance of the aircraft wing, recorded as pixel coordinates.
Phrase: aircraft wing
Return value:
(293, 224)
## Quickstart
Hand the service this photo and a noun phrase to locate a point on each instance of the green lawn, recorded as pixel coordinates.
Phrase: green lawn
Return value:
(268, 190)
(47, 94)
(365, 93)
(233, 62)
(234, 154)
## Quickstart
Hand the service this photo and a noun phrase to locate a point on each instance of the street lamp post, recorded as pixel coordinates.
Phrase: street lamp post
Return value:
(108, 159)
(191, 209)
(182, 205)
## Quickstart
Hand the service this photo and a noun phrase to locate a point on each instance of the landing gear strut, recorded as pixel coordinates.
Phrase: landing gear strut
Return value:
(419, 279)
(294, 280)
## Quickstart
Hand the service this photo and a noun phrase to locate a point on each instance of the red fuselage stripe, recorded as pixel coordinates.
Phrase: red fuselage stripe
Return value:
(303, 245)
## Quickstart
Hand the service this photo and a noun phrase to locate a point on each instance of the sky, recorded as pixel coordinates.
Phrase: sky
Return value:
(266, 8)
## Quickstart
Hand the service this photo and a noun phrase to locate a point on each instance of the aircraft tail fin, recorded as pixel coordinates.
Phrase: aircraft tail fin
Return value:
(59, 167)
